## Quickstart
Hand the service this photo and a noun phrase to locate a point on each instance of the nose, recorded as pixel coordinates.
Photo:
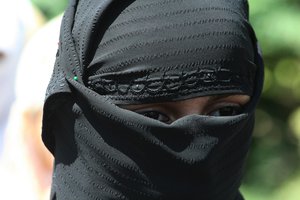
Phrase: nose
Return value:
(191, 106)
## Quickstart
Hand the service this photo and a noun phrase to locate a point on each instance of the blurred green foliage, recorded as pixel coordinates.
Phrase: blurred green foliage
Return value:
(273, 168)
(50, 8)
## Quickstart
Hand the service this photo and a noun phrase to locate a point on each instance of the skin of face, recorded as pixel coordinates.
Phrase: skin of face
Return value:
(168, 112)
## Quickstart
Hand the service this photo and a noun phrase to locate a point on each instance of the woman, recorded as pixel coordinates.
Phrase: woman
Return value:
(152, 99)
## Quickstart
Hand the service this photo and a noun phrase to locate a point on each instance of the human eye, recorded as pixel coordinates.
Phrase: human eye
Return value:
(155, 115)
(225, 110)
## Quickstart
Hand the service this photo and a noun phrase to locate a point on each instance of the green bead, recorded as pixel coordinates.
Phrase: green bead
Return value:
(75, 78)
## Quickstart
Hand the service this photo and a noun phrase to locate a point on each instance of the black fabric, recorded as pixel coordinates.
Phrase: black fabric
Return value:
(160, 50)
(119, 52)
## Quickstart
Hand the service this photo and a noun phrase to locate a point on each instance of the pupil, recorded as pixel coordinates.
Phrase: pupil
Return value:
(229, 111)
(151, 114)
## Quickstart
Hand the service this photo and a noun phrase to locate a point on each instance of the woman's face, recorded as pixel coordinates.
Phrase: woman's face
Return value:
(168, 112)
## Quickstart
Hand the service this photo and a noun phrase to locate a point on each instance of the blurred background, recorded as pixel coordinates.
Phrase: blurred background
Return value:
(273, 168)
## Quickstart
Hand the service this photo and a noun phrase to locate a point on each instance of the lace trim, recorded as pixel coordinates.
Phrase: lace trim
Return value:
(120, 84)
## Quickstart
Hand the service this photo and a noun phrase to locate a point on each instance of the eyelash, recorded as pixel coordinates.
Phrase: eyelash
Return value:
(159, 115)
(233, 109)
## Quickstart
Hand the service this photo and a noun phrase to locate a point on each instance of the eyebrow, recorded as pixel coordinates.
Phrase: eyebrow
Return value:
(216, 97)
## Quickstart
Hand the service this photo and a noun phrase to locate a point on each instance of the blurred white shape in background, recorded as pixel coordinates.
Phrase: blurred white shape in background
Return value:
(12, 39)
(26, 165)
(18, 21)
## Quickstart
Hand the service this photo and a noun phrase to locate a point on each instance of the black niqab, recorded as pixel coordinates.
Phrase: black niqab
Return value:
(119, 52)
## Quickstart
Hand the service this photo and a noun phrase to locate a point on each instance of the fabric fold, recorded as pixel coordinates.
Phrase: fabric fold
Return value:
(132, 52)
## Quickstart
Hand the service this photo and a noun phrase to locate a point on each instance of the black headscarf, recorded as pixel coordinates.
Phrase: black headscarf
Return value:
(132, 52)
